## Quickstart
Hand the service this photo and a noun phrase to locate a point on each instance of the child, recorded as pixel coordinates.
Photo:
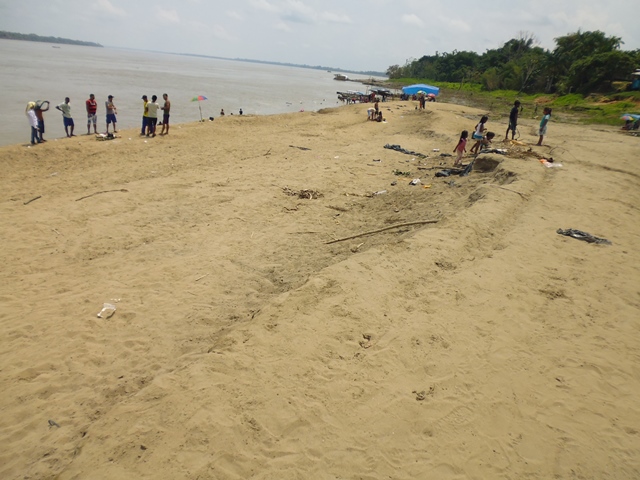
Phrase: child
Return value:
(486, 141)
(461, 147)
(513, 120)
(478, 135)
(543, 124)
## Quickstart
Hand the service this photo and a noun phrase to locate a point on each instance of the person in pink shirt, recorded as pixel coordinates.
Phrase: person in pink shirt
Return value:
(461, 148)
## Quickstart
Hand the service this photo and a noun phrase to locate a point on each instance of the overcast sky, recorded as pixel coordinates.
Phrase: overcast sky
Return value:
(349, 34)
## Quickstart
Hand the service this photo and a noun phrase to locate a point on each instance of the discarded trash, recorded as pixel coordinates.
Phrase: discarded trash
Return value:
(549, 163)
(436, 149)
(108, 309)
(53, 423)
(580, 235)
(415, 181)
(394, 183)
(381, 192)
(377, 160)
(448, 172)
(400, 173)
(446, 155)
(105, 136)
(500, 151)
(398, 148)
(426, 186)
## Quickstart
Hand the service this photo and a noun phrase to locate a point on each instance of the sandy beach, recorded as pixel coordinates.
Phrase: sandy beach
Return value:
(483, 345)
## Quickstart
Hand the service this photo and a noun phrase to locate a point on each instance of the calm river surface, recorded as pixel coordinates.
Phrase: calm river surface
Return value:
(39, 71)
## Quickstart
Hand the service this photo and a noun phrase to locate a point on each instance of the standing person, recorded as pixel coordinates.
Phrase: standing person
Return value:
(111, 113)
(222, 112)
(376, 107)
(461, 148)
(478, 134)
(513, 120)
(166, 108)
(240, 112)
(39, 110)
(145, 116)
(543, 124)
(33, 121)
(67, 120)
(152, 114)
(92, 117)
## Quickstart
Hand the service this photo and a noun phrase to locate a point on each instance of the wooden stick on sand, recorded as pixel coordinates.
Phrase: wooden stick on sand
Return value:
(397, 225)
(104, 191)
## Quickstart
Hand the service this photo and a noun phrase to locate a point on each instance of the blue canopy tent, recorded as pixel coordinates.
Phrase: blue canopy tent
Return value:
(420, 87)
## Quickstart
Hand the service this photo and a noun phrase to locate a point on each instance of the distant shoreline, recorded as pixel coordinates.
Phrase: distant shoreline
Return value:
(32, 37)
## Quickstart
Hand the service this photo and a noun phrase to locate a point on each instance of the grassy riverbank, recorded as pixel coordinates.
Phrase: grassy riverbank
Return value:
(593, 109)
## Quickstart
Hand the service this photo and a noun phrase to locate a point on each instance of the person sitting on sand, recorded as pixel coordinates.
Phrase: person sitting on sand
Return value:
(461, 148)
(379, 117)
(222, 112)
(486, 141)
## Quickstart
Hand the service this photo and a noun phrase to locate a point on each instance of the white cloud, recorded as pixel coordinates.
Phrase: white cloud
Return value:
(264, 5)
(105, 6)
(221, 33)
(235, 15)
(282, 27)
(168, 16)
(456, 25)
(335, 17)
(412, 19)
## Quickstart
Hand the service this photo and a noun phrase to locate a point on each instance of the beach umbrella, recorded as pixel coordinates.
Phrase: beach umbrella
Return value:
(627, 118)
(431, 95)
(420, 92)
(198, 99)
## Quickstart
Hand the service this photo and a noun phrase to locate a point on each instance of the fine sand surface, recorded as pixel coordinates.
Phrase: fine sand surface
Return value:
(484, 346)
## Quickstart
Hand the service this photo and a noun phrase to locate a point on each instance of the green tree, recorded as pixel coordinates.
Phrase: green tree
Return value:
(596, 72)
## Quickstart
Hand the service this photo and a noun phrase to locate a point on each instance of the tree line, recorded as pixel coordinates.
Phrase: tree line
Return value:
(581, 62)
(32, 37)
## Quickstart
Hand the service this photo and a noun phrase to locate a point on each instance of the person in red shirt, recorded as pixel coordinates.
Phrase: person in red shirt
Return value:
(92, 109)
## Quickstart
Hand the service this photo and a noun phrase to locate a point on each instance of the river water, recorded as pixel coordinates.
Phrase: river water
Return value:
(40, 71)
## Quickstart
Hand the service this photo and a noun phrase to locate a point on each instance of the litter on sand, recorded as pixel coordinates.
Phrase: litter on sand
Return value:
(398, 148)
(584, 236)
(549, 164)
(108, 309)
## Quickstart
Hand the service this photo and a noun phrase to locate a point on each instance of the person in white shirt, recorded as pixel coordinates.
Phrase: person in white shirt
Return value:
(152, 108)
(33, 121)
(65, 108)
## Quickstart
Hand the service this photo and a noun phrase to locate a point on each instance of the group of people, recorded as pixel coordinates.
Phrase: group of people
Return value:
(35, 114)
(484, 138)
(374, 113)
(150, 115)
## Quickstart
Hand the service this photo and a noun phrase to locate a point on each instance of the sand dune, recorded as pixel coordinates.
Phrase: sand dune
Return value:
(245, 345)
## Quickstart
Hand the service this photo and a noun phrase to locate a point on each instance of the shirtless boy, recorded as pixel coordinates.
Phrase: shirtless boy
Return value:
(166, 108)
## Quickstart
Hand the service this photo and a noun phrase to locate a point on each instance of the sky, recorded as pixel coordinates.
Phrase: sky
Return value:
(358, 35)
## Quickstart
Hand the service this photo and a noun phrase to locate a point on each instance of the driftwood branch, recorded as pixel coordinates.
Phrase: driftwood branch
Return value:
(32, 200)
(104, 191)
(509, 190)
(397, 225)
